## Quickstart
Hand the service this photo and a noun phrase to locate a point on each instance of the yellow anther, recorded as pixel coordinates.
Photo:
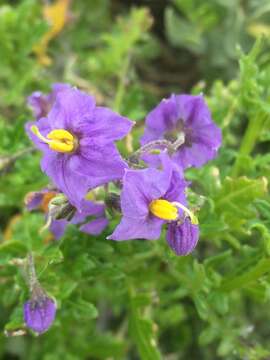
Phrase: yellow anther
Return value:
(163, 209)
(59, 140)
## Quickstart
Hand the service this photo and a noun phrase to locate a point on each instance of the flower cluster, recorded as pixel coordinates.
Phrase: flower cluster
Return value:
(78, 141)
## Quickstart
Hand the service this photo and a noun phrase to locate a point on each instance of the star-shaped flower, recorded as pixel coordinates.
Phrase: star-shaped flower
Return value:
(77, 140)
(188, 115)
(151, 198)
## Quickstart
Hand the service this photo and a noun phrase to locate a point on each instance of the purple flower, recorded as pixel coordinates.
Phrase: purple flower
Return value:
(39, 312)
(189, 115)
(40, 200)
(151, 198)
(77, 140)
(182, 238)
(41, 103)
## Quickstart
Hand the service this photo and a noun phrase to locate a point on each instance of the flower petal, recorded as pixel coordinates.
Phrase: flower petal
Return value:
(99, 164)
(140, 187)
(71, 109)
(129, 229)
(107, 125)
(87, 208)
(44, 128)
(58, 167)
(58, 228)
(95, 227)
(193, 110)
(33, 200)
(176, 190)
(39, 103)
(160, 120)
(197, 155)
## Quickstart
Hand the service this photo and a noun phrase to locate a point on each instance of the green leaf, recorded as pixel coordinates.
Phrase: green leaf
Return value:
(10, 249)
(142, 332)
(183, 33)
(84, 309)
(233, 201)
(251, 274)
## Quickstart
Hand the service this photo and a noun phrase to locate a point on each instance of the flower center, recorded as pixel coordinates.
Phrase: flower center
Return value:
(59, 140)
(163, 209)
(173, 134)
(167, 210)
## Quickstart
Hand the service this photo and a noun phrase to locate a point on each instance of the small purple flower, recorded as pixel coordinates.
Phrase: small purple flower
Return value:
(151, 198)
(40, 200)
(39, 312)
(77, 140)
(189, 115)
(41, 103)
(183, 238)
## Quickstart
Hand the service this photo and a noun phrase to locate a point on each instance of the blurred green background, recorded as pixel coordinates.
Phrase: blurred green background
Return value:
(137, 300)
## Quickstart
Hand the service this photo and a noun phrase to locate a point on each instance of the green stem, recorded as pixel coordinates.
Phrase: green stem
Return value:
(32, 277)
(120, 92)
(249, 140)
(23, 152)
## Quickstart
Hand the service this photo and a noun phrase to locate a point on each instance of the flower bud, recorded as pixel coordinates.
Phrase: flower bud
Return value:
(39, 311)
(182, 238)
(113, 202)
(6, 163)
(60, 208)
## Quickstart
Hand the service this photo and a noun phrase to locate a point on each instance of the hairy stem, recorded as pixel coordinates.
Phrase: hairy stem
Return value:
(156, 145)
(153, 145)
(32, 276)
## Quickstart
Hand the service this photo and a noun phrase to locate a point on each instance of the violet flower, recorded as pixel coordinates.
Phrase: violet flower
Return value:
(189, 115)
(151, 198)
(41, 200)
(182, 238)
(39, 312)
(77, 140)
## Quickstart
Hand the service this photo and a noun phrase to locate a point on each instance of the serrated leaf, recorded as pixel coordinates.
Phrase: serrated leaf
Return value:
(10, 249)
(85, 309)
(251, 274)
(233, 201)
(182, 33)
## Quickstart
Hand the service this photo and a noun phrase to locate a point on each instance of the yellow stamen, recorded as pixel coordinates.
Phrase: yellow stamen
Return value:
(163, 209)
(193, 218)
(59, 140)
